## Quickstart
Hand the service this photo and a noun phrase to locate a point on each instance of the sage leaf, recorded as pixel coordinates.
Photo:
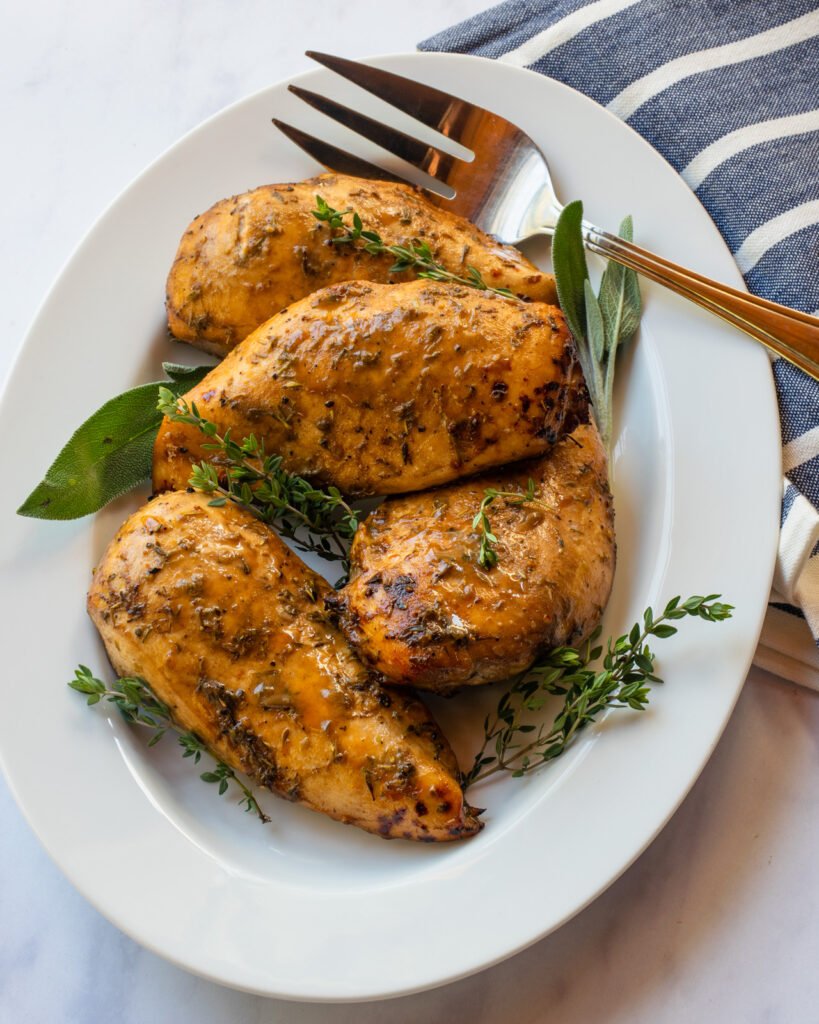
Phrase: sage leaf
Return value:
(596, 342)
(620, 299)
(190, 375)
(599, 324)
(595, 331)
(110, 453)
(569, 264)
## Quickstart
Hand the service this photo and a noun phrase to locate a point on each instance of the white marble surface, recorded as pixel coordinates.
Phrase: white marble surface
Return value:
(719, 920)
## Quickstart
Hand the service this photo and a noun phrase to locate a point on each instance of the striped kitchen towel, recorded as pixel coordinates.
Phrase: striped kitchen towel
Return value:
(728, 92)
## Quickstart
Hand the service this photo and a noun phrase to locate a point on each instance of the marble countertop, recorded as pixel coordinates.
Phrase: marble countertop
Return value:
(718, 920)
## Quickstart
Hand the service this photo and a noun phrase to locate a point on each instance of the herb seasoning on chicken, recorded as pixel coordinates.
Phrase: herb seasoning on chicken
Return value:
(251, 255)
(227, 627)
(382, 389)
(421, 610)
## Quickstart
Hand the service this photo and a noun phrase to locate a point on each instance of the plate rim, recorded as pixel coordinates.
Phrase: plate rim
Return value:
(4, 392)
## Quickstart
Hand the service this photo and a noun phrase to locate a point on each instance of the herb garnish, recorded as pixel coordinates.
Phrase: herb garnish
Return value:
(417, 256)
(139, 706)
(514, 742)
(487, 556)
(314, 519)
(600, 323)
(622, 681)
(109, 454)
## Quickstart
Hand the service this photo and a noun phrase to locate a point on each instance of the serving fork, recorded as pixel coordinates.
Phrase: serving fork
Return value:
(506, 190)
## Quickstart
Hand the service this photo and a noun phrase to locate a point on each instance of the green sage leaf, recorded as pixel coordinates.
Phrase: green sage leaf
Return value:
(596, 339)
(190, 375)
(620, 300)
(569, 263)
(595, 330)
(110, 453)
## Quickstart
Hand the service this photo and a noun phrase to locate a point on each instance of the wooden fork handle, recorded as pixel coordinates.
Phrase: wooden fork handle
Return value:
(787, 332)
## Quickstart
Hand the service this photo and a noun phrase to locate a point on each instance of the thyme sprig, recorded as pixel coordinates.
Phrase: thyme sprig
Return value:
(315, 519)
(487, 555)
(515, 741)
(138, 705)
(416, 256)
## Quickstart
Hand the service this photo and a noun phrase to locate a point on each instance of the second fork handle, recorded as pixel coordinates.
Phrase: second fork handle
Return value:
(787, 332)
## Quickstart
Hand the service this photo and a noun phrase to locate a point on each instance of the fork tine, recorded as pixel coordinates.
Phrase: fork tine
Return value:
(335, 159)
(433, 107)
(418, 153)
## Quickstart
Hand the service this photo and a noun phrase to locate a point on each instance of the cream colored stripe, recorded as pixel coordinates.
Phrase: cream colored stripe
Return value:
(786, 649)
(797, 538)
(800, 449)
(708, 159)
(773, 231)
(562, 31)
(639, 92)
(806, 593)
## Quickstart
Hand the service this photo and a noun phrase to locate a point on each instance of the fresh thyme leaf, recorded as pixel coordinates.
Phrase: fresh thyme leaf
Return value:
(417, 256)
(109, 453)
(139, 706)
(223, 776)
(487, 556)
(315, 519)
(518, 741)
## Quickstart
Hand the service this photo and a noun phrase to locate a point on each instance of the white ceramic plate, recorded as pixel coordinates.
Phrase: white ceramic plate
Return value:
(306, 908)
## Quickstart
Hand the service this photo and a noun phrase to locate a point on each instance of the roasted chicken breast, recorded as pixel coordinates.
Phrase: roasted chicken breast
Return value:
(420, 610)
(227, 626)
(381, 389)
(251, 255)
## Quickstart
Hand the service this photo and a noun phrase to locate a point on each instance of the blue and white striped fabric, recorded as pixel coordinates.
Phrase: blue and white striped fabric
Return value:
(728, 92)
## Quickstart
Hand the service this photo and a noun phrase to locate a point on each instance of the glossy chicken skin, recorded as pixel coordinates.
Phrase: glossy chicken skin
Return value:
(383, 389)
(251, 255)
(227, 627)
(419, 608)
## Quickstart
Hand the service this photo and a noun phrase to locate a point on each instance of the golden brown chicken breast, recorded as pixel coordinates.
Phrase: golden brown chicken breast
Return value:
(420, 609)
(226, 625)
(382, 389)
(251, 255)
